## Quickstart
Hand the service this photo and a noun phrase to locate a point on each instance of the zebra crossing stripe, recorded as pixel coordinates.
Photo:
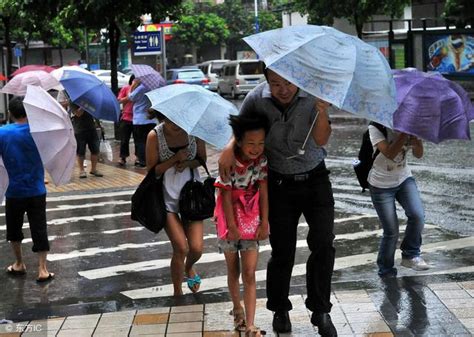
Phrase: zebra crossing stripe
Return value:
(63, 221)
(300, 269)
(111, 271)
(74, 207)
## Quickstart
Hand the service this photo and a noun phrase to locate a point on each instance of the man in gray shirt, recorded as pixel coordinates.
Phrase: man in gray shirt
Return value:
(298, 184)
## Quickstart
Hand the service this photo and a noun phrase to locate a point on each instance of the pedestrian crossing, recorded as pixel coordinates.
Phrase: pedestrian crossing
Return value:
(102, 253)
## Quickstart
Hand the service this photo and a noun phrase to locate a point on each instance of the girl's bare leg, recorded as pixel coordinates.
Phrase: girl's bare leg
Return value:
(174, 230)
(249, 266)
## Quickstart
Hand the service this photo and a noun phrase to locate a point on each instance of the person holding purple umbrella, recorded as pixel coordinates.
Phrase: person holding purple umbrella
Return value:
(390, 180)
(142, 125)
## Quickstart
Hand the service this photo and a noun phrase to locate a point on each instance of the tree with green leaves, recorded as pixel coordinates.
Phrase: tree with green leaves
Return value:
(200, 30)
(241, 22)
(462, 10)
(357, 12)
(18, 22)
(115, 16)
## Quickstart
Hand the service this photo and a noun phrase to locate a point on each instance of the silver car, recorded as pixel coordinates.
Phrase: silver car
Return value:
(239, 77)
(211, 69)
(105, 76)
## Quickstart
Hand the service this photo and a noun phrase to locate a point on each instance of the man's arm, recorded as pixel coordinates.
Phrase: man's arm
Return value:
(322, 129)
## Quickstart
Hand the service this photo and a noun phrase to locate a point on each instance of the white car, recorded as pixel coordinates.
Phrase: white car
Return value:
(105, 76)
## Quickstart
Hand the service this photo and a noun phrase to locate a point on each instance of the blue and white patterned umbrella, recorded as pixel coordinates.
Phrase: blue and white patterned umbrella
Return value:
(198, 111)
(333, 66)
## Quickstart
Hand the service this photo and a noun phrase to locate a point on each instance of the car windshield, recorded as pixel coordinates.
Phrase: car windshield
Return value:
(251, 68)
(190, 74)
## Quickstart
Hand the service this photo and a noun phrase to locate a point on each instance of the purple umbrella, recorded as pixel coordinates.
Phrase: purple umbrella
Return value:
(148, 76)
(431, 107)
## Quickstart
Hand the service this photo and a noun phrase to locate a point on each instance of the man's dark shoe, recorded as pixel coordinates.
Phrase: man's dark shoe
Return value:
(324, 324)
(281, 321)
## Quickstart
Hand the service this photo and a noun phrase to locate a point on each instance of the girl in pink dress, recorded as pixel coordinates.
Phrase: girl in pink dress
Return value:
(241, 216)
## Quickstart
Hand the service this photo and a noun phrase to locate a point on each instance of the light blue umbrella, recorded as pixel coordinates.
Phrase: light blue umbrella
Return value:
(91, 94)
(198, 111)
(333, 66)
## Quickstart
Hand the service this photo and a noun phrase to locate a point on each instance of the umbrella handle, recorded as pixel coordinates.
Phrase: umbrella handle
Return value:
(301, 150)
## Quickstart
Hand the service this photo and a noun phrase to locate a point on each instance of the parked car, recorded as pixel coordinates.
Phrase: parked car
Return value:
(187, 75)
(105, 76)
(239, 77)
(211, 69)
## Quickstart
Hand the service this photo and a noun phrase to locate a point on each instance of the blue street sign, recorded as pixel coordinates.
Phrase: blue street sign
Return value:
(147, 43)
(17, 51)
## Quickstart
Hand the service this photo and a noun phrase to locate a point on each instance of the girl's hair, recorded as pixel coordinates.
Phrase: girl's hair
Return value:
(152, 113)
(130, 80)
(241, 124)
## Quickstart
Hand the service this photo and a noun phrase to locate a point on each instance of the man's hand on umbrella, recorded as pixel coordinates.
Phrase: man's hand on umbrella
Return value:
(227, 161)
(322, 106)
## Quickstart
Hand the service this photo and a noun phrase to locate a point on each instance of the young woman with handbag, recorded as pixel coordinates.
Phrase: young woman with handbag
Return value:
(174, 153)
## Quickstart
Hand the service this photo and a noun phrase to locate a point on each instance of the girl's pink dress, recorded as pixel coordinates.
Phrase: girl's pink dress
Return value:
(245, 198)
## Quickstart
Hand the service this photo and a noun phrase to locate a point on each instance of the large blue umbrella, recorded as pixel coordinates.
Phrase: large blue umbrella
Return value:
(431, 107)
(198, 111)
(333, 66)
(91, 94)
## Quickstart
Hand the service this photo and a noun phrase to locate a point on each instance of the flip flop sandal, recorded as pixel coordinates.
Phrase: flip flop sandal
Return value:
(193, 282)
(239, 319)
(14, 272)
(45, 279)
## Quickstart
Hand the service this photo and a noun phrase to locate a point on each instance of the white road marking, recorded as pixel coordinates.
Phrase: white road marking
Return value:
(74, 207)
(298, 270)
(162, 263)
(74, 219)
(86, 196)
(53, 237)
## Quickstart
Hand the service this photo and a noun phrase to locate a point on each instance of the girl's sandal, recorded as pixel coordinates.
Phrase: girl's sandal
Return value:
(239, 319)
(253, 331)
(194, 283)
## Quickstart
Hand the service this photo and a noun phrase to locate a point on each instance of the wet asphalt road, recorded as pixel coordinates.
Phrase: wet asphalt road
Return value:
(106, 262)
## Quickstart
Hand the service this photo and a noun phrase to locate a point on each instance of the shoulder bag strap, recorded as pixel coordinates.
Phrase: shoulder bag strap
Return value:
(203, 164)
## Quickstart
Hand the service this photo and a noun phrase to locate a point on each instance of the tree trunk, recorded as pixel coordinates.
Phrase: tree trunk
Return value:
(194, 53)
(61, 60)
(114, 38)
(6, 37)
(359, 25)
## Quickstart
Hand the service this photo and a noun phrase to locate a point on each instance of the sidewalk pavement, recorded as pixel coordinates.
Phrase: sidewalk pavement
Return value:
(441, 309)
(450, 310)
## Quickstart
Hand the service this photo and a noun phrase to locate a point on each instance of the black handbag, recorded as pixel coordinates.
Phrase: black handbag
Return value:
(148, 206)
(196, 199)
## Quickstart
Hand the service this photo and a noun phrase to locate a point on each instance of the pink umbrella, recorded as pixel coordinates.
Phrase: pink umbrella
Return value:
(17, 85)
(52, 132)
(33, 67)
(58, 73)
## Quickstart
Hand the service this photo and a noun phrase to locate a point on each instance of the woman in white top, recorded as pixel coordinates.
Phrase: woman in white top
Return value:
(390, 180)
(174, 153)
